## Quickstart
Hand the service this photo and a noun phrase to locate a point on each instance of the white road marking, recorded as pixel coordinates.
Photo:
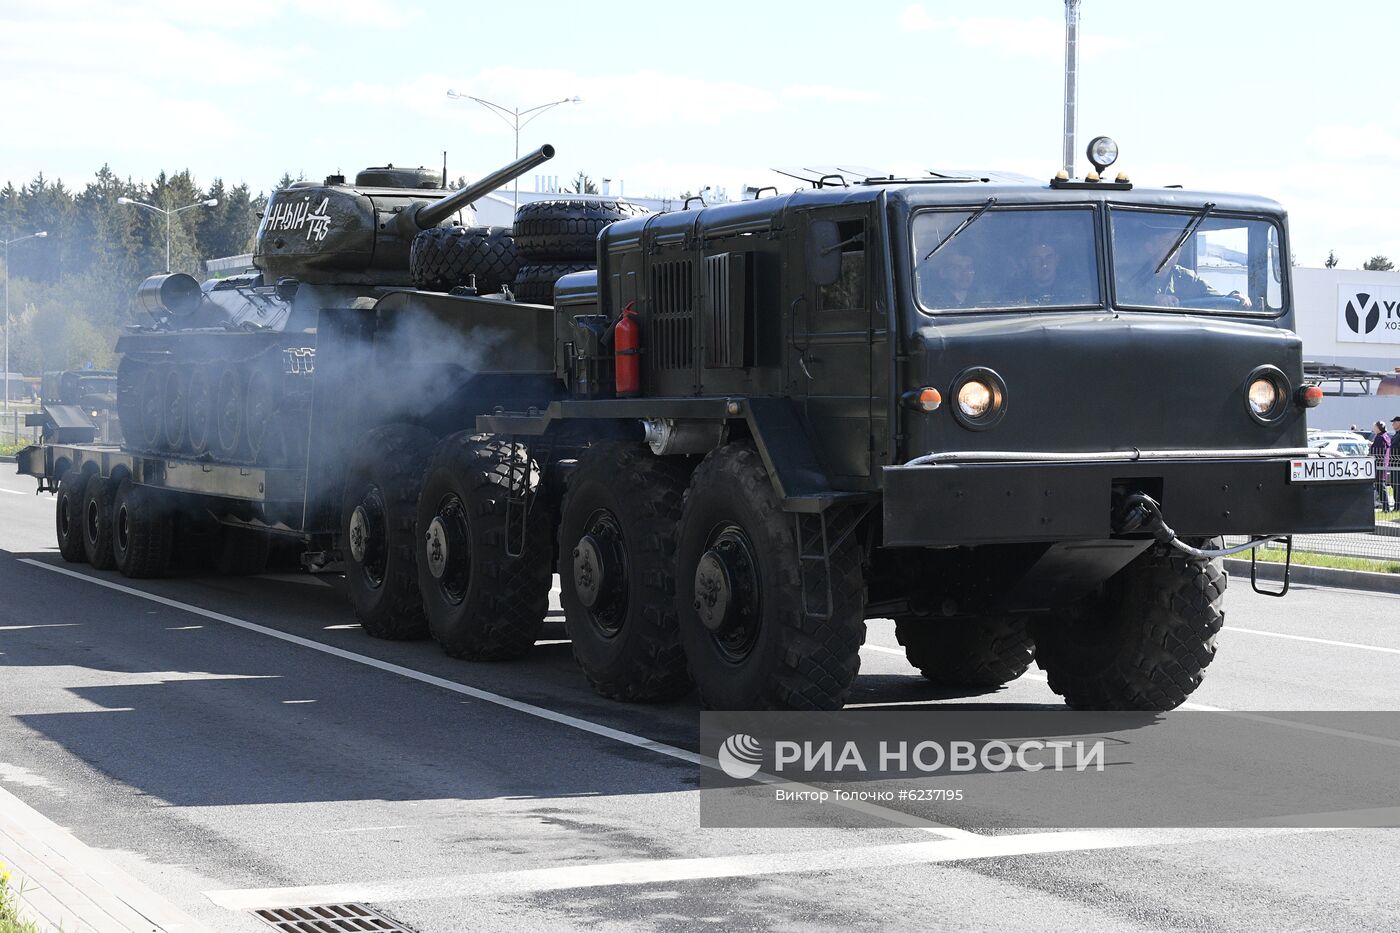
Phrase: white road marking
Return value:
(670, 871)
(365, 829)
(71, 886)
(895, 817)
(1316, 641)
(20, 628)
(14, 492)
(308, 579)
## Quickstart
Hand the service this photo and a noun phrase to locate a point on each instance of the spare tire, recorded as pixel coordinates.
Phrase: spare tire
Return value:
(566, 230)
(534, 283)
(443, 258)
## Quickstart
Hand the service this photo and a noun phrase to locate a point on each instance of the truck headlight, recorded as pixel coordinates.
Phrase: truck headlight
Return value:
(981, 398)
(1266, 391)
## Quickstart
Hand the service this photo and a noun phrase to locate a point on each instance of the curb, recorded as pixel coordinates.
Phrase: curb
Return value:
(7, 458)
(1320, 576)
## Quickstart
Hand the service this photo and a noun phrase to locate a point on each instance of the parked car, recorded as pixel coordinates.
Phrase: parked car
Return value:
(1341, 443)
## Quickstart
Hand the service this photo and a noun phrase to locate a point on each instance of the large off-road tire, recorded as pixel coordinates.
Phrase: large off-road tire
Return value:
(442, 258)
(986, 652)
(97, 522)
(377, 531)
(200, 408)
(617, 545)
(482, 604)
(748, 639)
(68, 516)
(241, 552)
(534, 283)
(229, 401)
(1143, 642)
(566, 230)
(142, 531)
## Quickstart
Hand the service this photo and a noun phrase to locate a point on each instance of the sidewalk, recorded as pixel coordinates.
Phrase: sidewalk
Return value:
(64, 885)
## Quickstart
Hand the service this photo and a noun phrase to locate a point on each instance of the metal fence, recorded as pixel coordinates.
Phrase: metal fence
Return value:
(1382, 545)
(12, 427)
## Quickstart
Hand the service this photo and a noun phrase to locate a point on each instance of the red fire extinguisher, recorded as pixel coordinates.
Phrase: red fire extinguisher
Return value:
(627, 352)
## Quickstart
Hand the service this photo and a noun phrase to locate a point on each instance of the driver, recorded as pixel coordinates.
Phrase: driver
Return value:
(1175, 283)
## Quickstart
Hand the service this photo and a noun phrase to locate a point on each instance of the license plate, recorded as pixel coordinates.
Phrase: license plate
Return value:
(1331, 469)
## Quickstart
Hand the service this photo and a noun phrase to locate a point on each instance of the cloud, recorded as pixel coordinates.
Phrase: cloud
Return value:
(1355, 143)
(827, 92)
(1036, 37)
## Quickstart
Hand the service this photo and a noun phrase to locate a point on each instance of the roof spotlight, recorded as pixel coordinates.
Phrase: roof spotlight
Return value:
(1102, 152)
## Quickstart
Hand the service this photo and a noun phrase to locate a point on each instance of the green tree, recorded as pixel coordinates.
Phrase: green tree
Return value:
(1378, 263)
(1332, 260)
(582, 184)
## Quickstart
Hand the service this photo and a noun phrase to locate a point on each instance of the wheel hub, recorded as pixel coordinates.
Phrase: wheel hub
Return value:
(714, 591)
(590, 572)
(437, 548)
(359, 534)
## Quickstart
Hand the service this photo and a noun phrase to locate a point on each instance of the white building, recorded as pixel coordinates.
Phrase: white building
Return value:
(1349, 320)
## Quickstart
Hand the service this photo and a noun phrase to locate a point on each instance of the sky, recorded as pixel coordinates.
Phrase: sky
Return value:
(1290, 100)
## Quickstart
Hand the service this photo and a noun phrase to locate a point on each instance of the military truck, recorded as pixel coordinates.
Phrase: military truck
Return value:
(78, 406)
(1014, 416)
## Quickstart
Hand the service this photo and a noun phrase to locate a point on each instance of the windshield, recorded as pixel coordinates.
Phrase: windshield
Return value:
(1006, 258)
(1220, 263)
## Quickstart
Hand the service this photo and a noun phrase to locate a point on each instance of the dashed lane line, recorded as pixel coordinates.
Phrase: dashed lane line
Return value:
(888, 815)
(1316, 641)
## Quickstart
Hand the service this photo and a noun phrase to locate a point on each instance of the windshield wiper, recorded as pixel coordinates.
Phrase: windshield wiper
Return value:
(967, 222)
(1195, 222)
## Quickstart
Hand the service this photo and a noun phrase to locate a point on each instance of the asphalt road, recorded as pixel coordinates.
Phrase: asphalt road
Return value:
(173, 727)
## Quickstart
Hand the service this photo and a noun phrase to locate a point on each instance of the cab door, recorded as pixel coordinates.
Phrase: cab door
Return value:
(830, 350)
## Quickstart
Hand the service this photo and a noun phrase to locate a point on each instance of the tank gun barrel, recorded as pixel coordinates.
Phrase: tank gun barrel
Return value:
(430, 215)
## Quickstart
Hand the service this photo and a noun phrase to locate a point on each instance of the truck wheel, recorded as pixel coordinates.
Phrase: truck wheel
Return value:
(174, 407)
(97, 522)
(1143, 643)
(987, 652)
(534, 283)
(617, 572)
(141, 531)
(68, 516)
(442, 258)
(481, 603)
(376, 528)
(566, 230)
(739, 593)
(199, 411)
(152, 417)
(228, 413)
(241, 552)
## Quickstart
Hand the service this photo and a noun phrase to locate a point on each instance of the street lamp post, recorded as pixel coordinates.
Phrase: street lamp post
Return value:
(29, 236)
(512, 118)
(211, 202)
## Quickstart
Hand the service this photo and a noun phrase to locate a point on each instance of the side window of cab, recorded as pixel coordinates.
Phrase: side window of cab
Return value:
(848, 291)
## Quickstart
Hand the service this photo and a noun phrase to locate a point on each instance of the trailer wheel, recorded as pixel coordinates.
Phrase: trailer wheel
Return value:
(482, 604)
(152, 401)
(566, 230)
(534, 283)
(228, 413)
(97, 522)
(1143, 643)
(617, 571)
(376, 526)
(199, 412)
(68, 516)
(175, 407)
(739, 592)
(142, 530)
(241, 552)
(442, 258)
(987, 652)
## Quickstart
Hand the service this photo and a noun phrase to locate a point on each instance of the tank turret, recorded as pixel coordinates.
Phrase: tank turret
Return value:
(360, 234)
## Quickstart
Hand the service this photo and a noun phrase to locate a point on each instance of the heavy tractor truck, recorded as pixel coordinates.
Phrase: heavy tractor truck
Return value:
(1017, 417)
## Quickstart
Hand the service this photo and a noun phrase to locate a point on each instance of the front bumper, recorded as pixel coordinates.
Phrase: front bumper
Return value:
(954, 502)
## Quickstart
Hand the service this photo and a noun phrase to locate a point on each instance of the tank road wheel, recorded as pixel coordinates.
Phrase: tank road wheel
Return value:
(175, 407)
(68, 516)
(241, 552)
(987, 652)
(739, 592)
(442, 258)
(228, 414)
(259, 409)
(617, 545)
(379, 544)
(481, 603)
(142, 531)
(199, 411)
(1143, 642)
(152, 401)
(97, 522)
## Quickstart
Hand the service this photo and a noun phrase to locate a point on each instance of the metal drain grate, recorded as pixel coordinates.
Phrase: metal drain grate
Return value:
(331, 918)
